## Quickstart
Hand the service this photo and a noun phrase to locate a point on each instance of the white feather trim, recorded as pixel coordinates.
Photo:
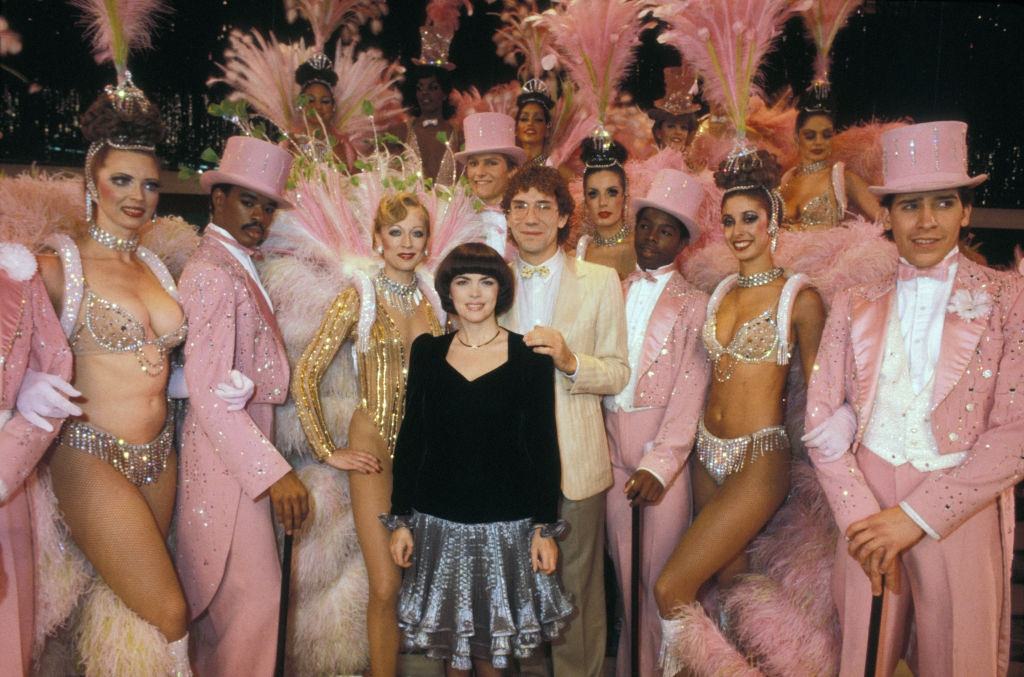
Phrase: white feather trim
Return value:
(17, 261)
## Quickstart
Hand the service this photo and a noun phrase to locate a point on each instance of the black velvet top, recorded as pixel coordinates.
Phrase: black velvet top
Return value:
(478, 451)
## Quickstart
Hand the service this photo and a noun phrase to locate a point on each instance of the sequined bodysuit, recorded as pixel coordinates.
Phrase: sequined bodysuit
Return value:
(382, 371)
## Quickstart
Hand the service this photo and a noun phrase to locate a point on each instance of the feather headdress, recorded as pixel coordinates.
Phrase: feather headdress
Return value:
(262, 72)
(117, 27)
(444, 14)
(726, 41)
(328, 16)
(596, 41)
(824, 19)
(523, 41)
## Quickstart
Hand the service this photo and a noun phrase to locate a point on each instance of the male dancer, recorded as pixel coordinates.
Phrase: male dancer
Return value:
(652, 423)
(917, 426)
(230, 471)
(35, 359)
(490, 157)
(573, 311)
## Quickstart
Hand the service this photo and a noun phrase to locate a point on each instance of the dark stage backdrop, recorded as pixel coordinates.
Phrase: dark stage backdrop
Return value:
(922, 60)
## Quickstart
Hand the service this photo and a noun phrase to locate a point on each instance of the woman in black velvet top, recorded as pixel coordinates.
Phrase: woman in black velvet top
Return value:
(476, 481)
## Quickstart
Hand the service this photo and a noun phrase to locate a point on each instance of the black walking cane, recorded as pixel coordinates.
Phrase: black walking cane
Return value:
(282, 618)
(634, 589)
(874, 632)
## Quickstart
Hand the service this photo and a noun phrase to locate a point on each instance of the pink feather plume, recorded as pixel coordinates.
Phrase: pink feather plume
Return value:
(596, 41)
(453, 221)
(523, 41)
(328, 16)
(444, 14)
(365, 77)
(726, 41)
(499, 99)
(117, 27)
(824, 19)
(324, 217)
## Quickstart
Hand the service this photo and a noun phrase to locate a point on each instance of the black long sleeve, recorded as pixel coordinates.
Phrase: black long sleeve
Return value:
(478, 451)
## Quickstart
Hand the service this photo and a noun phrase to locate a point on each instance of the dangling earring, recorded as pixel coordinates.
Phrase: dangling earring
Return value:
(153, 220)
(88, 206)
(379, 249)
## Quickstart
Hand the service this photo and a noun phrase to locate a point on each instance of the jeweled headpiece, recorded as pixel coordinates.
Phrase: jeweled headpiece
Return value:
(535, 91)
(680, 88)
(434, 46)
(317, 69)
(602, 153)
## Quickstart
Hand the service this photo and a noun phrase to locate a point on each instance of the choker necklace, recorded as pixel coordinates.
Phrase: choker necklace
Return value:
(759, 279)
(402, 297)
(618, 238)
(111, 241)
(479, 345)
(812, 167)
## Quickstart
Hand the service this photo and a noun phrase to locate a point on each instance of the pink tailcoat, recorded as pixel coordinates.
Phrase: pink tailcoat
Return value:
(30, 336)
(228, 459)
(673, 380)
(977, 405)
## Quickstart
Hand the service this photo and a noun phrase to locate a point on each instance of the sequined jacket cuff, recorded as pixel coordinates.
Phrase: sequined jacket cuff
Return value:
(392, 522)
(556, 529)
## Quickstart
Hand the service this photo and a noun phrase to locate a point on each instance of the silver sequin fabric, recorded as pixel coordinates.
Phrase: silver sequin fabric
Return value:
(723, 457)
(471, 593)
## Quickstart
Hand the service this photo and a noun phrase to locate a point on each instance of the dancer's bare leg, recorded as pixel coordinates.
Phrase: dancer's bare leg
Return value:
(371, 496)
(723, 528)
(121, 531)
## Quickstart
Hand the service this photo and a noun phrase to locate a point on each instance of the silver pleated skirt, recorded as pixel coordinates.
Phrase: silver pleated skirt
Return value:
(471, 593)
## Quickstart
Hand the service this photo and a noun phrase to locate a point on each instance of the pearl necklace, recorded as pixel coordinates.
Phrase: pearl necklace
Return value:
(111, 241)
(811, 167)
(618, 238)
(759, 279)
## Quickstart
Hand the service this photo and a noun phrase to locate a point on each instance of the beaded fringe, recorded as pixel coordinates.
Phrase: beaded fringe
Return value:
(723, 457)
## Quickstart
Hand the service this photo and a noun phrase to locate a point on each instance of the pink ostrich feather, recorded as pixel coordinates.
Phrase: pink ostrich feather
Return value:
(596, 41)
(328, 16)
(571, 122)
(523, 41)
(823, 20)
(444, 14)
(117, 27)
(726, 41)
(860, 147)
(366, 77)
(771, 127)
(262, 72)
(453, 221)
(324, 217)
(499, 99)
(35, 204)
(631, 127)
(698, 644)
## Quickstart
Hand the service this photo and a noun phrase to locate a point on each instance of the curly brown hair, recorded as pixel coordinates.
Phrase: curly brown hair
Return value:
(548, 181)
(136, 125)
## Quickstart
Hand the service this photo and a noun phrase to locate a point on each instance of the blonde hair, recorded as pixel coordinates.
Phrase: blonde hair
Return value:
(394, 208)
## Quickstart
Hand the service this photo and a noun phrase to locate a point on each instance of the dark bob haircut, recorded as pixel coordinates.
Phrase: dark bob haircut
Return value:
(548, 181)
(474, 258)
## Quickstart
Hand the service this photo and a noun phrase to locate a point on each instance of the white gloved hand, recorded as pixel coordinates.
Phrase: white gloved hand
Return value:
(45, 395)
(833, 437)
(237, 391)
(177, 389)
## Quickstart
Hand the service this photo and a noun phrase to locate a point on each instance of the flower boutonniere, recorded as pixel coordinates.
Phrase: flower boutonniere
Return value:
(970, 306)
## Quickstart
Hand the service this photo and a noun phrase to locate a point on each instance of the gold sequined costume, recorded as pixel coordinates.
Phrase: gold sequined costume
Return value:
(382, 371)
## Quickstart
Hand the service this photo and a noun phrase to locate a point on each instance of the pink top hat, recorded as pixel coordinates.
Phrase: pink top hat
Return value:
(251, 163)
(925, 157)
(490, 133)
(677, 193)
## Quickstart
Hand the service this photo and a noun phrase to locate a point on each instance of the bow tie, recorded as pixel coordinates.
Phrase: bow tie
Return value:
(638, 274)
(940, 271)
(429, 122)
(526, 272)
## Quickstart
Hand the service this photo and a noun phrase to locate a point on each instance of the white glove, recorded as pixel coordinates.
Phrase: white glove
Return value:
(177, 389)
(43, 394)
(237, 391)
(833, 437)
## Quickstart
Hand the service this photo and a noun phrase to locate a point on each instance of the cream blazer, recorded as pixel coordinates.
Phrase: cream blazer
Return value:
(590, 313)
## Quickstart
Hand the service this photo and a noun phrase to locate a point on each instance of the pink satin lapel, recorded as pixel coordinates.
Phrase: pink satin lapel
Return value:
(959, 339)
(12, 295)
(867, 337)
(660, 325)
(268, 314)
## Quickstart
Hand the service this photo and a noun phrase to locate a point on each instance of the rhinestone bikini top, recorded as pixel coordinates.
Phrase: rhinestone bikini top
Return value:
(108, 328)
